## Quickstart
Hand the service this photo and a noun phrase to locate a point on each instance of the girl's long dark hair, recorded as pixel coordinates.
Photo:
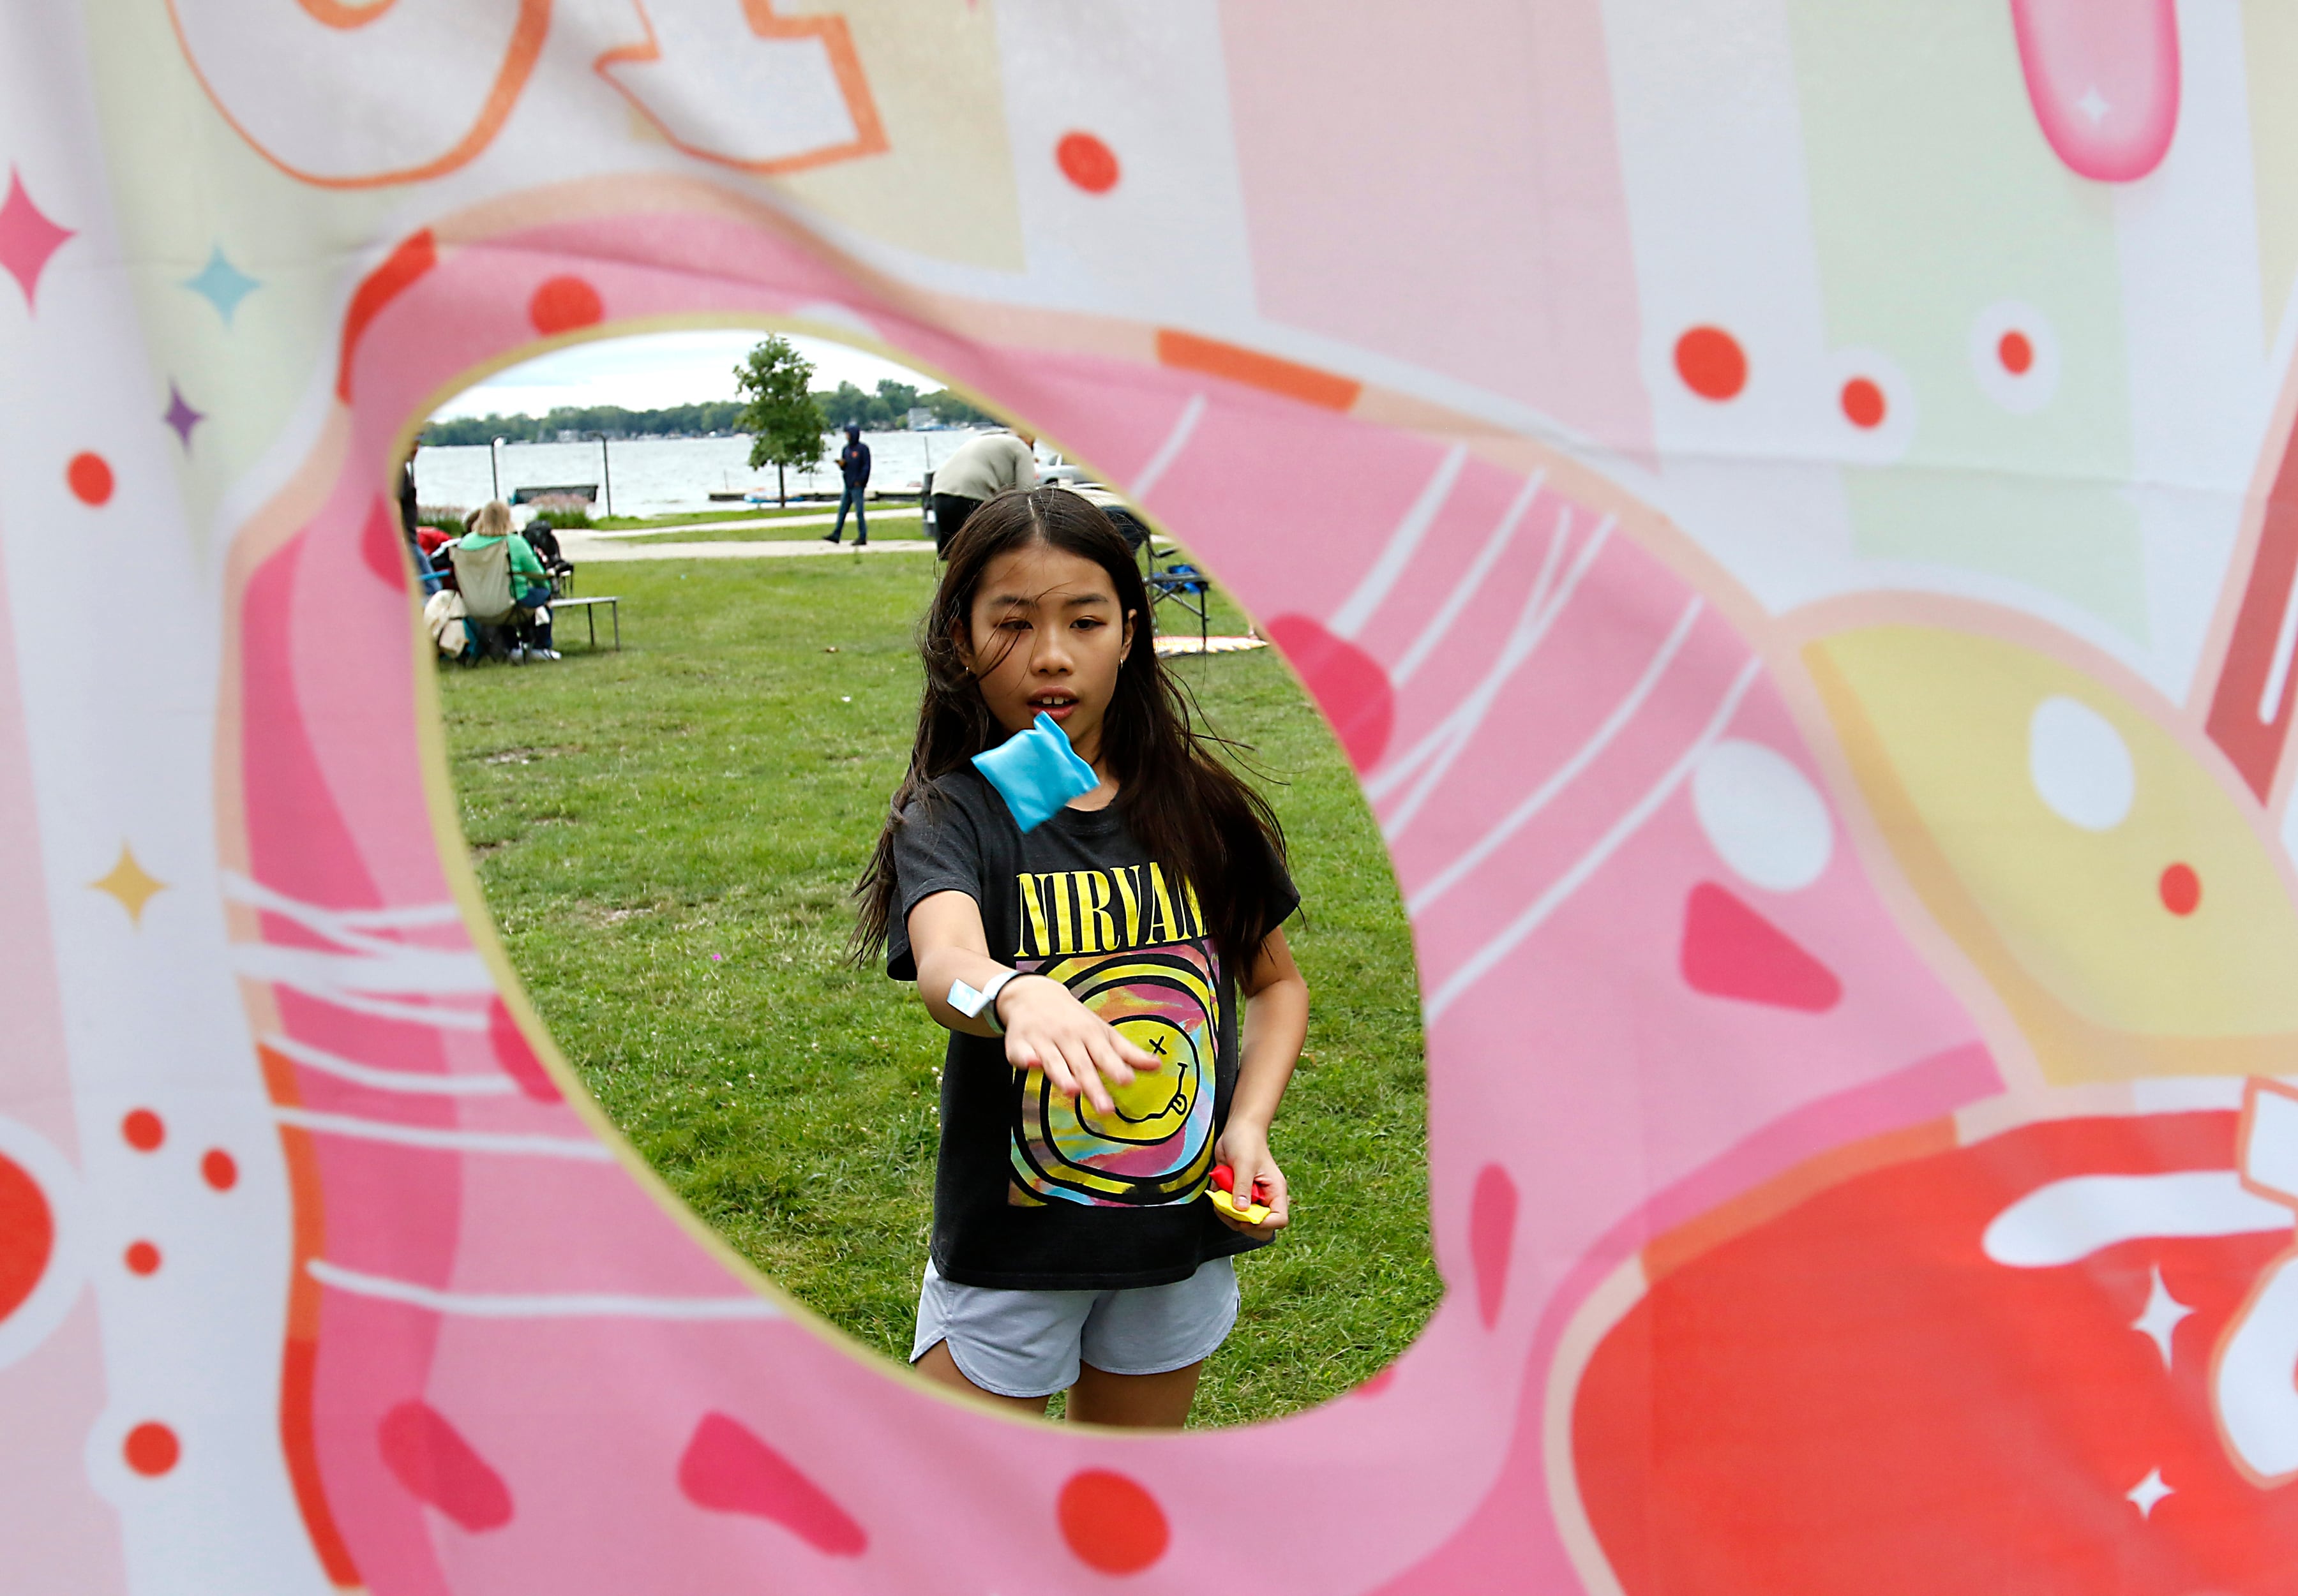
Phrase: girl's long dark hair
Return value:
(1181, 801)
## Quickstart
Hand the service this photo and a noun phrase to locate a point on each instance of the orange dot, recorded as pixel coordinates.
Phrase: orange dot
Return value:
(1111, 1523)
(1711, 363)
(2015, 353)
(563, 304)
(218, 1170)
(142, 1257)
(1863, 403)
(142, 1129)
(1087, 163)
(2181, 890)
(152, 1449)
(90, 478)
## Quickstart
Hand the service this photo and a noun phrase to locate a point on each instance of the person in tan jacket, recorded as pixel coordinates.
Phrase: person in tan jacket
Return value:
(980, 470)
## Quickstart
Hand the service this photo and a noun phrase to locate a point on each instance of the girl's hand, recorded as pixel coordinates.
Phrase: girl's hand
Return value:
(1048, 1029)
(1244, 1148)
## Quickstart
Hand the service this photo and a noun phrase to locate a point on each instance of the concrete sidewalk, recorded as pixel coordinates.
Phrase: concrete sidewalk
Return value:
(584, 549)
(912, 514)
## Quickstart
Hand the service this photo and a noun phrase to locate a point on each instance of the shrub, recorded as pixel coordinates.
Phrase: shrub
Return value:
(447, 518)
(564, 510)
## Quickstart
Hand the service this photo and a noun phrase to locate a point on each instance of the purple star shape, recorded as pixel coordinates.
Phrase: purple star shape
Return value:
(27, 237)
(180, 415)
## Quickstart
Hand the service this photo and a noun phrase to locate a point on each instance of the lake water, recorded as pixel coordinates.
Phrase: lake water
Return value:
(657, 476)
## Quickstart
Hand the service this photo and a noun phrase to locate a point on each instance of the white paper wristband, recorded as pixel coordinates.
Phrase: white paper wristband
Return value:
(978, 1005)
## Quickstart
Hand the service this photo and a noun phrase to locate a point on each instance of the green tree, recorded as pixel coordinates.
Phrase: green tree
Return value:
(898, 398)
(952, 411)
(784, 422)
(847, 403)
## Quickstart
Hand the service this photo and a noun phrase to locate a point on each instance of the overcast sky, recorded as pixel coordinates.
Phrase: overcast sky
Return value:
(657, 369)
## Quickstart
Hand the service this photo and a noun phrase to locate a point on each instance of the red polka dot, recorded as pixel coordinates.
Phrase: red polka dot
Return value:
(2016, 353)
(1111, 1523)
(142, 1257)
(28, 1236)
(2181, 890)
(219, 1171)
(152, 1449)
(90, 478)
(1087, 162)
(1863, 403)
(1711, 363)
(563, 304)
(142, 1129)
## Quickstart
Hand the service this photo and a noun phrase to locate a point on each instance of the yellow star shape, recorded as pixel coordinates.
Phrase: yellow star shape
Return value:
(130, 883)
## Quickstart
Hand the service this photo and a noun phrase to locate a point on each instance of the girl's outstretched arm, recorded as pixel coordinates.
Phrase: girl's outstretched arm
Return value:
(1276, 1022)
(1047, 1028)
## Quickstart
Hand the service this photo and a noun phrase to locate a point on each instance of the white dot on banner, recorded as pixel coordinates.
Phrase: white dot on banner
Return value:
(2080, 765)
(1762, 816)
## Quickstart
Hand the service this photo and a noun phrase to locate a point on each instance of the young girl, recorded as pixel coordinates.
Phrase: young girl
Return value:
(1085, 1103)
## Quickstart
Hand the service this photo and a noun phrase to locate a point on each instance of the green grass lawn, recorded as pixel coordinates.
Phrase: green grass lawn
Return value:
(667, 836)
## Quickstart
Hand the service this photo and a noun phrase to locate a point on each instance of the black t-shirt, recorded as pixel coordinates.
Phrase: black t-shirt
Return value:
(1034, 1191)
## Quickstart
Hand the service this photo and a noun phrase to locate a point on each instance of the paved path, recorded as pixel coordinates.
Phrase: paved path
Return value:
(584, 549)
(752, 524)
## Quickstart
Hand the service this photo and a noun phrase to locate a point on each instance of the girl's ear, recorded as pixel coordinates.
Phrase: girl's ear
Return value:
(961, 636)
(1126, 647)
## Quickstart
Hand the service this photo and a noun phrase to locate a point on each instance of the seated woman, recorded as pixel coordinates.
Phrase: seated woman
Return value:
(502, 583)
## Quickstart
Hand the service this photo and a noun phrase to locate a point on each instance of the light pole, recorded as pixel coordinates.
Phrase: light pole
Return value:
(606, 473)
(494, 465)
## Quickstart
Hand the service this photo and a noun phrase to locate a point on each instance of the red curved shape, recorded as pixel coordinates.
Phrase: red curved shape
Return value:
(1731, 951)
(429, 1456)
(728, 1469)
(1347, 683)
(516, 1058)
(1492, 1238)
(2102, 77)
(416, 255)
(382, 547)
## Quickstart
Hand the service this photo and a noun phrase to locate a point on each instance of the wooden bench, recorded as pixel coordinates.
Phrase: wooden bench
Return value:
(588, 606)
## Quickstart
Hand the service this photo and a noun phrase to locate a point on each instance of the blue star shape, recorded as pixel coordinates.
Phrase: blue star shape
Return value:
(223, 284)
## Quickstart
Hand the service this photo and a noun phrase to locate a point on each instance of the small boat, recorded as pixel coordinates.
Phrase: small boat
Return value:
(586, 491)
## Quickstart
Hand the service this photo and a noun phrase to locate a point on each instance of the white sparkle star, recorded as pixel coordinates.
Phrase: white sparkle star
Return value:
(2163, 1314)
(2147, 1491)
(2094, 105)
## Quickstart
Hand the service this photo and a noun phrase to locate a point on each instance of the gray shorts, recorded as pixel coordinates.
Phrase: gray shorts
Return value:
(1030, 1343)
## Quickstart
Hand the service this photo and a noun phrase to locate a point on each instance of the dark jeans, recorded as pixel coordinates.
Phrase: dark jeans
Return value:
(950, 512)
(533, 617)
(851, 499)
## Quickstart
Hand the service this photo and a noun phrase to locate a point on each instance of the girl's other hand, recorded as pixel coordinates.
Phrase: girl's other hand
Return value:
(1245, 1150)
(1048, 1029)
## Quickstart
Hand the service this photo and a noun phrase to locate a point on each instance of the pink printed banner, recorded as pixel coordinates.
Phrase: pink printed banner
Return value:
(1781, 504)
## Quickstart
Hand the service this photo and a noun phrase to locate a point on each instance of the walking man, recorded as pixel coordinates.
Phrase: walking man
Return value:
(853, 460)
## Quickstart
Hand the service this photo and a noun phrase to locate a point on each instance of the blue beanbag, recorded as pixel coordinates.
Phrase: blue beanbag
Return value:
(1037, 773)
